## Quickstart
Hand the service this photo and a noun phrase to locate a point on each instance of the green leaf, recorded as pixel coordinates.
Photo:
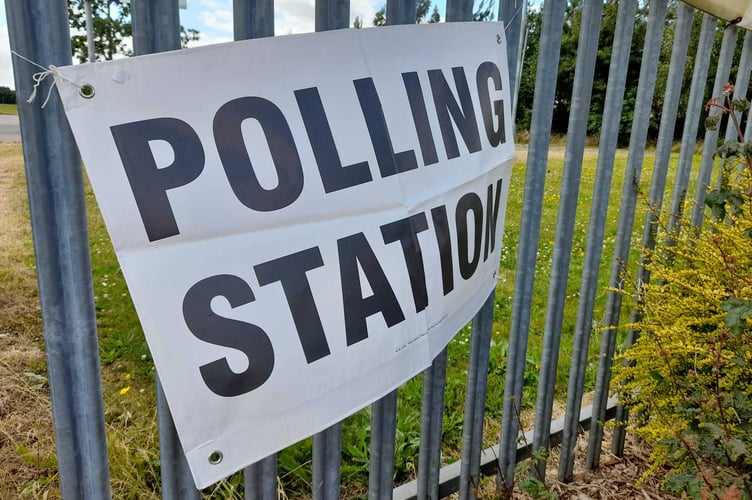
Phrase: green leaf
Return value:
(711, 122)
(678, 482)
(716, 200)
(735, 201)
(736, 449)
(714, 430)
(740, 105)
(737, 312)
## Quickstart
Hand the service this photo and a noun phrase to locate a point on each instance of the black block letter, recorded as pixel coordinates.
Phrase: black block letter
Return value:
(149, 181)
(290, 271)
(251, 340)
(406, 232)
(354, 250)
(236, 161)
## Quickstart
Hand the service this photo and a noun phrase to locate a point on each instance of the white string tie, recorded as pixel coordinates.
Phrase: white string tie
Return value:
(58, 78)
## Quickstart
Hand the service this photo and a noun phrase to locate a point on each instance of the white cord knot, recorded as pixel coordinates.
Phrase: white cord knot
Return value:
(40, 77)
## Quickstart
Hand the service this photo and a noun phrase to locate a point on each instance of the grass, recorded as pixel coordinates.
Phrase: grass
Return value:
(27, 459)
(8, 109)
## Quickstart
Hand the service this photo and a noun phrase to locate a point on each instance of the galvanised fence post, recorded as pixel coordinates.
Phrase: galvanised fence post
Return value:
(384, 411)
(742, 83)
(513, 15)
(637, 142)
(614, 101)
(255, 19)
(535, 176)
(38, 31)
(682, 31)
(692, 120)
(711, 136)
(327, 449)
(156, 28)
(587, 50)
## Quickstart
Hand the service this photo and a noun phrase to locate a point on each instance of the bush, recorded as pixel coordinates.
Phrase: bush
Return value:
(688, 377)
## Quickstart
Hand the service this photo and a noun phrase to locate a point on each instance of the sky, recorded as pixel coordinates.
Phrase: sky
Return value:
(213, 19)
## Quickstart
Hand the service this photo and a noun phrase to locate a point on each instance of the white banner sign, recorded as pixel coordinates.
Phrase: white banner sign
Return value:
(304, 222)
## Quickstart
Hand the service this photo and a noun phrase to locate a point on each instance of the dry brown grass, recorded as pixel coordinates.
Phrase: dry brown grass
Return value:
(27, 449)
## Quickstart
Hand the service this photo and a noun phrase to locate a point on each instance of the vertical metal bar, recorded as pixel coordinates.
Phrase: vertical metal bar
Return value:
(637, 141)
(38, 30)
(327, 447)
(332, 14)
(383, 426)
(742, 83)
(253, 18)
(692, 119)
(614, 101)
(513, 15)
(177, 482)
(89, 32)
(711, 136)
(156, 28)
(462, 10)
(432, 416)
(742, 78)
(400, 12)
(475, 399)
(459, 10)
(260, 479)
(578, 119)
(535, 176)
(384, 411)
(670, 109)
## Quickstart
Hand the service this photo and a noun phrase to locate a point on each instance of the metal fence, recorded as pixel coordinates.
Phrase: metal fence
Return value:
(39, 31)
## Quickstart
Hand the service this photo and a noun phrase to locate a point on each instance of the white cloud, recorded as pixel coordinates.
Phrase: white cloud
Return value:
(293, 16)
(365, 10)
(219, 20)
(6, 68)
(298, 16)
(205, 39)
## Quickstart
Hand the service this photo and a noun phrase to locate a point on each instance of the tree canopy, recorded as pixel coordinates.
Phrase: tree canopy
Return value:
(112, 29)
(568, 58)
(484, 12)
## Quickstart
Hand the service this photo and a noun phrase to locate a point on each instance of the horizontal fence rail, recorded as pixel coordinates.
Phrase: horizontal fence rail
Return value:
(39, 30)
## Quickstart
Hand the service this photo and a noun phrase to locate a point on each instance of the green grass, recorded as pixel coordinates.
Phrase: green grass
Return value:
(128, 374)
(8, 109)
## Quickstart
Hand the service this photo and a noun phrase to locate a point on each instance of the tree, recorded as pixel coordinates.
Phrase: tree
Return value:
(421, 11)
(379, 19)
(7, 95)
(567, 63)
(112, 29)
(435, 16)
(484, 12)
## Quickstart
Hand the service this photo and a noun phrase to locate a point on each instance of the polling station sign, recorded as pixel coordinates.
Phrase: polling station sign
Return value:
(304, 222)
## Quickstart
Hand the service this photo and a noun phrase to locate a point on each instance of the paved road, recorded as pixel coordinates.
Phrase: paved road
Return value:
(9, 129)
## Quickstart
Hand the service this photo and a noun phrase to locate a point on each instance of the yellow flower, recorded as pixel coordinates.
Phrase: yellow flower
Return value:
(125, 390)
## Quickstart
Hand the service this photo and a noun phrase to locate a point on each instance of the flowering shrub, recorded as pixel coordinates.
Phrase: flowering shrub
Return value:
(688, 377)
